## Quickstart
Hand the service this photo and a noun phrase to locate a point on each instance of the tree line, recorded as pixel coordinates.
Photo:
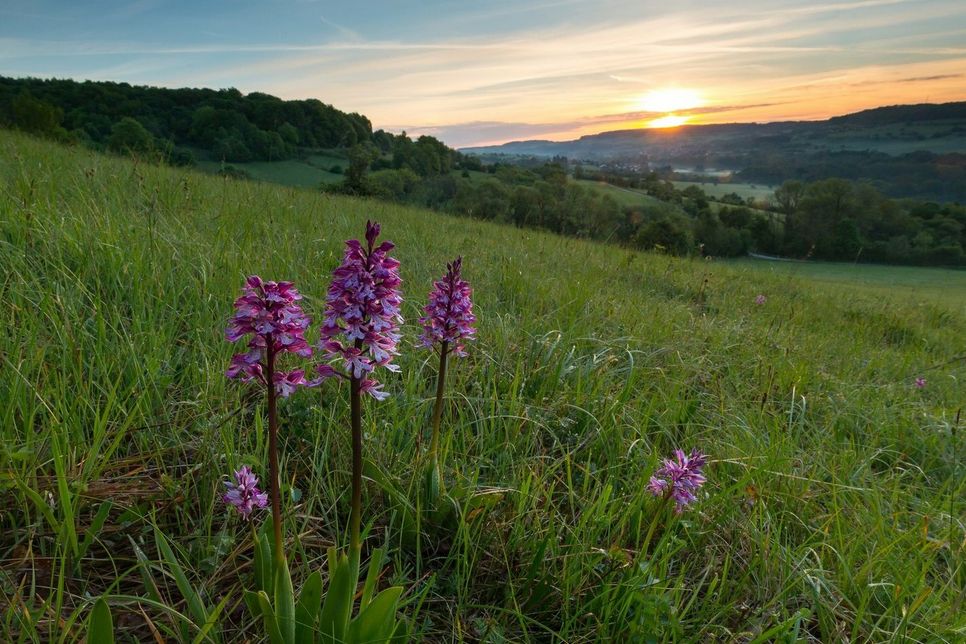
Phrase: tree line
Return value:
(175, 124)
(831, 219)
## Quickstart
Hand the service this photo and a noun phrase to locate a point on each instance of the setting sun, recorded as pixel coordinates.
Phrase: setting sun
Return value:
(670, 100)
(671, 120)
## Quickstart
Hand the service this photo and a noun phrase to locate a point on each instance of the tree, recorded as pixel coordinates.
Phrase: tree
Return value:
(697, 196)
(128, 136)
(789, 196)
(35, 116)
(846, 243)
(665, 234)
(288, 133)
(360, 156)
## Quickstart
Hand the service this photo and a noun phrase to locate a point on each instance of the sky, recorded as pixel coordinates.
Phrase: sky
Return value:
(474, 73)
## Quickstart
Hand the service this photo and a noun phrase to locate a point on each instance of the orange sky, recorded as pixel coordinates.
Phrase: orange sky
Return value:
(480, 73)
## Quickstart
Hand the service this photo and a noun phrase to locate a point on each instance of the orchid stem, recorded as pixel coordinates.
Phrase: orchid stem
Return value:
(279, 551)
(438, 407)
(660, 512)
(355, 518)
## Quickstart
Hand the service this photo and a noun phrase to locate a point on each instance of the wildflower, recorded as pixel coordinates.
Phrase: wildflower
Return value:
(360, 333)
(244, 494)
(269, 313)
(449, 315)
(679, 478)
(363, 306)
(920, 382)
(448, 322)
(760, 300)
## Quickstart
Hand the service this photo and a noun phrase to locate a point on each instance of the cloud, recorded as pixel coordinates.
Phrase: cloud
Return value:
(488, 132)
(342, 30)
(547, 70)
(923, 79)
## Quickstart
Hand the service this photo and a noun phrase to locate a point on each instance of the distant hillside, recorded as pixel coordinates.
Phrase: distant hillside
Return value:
(904, 114)
(904, 150)
(951, 117)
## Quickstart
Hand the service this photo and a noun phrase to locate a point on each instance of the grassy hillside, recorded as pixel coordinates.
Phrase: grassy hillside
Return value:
(310, 172)
(835, 497)
(624, 196)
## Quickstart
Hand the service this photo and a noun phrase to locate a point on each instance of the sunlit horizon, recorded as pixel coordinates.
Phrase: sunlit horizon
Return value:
(669, 121)
(478, 75)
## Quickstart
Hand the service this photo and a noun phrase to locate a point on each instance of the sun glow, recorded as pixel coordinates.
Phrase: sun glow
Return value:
(670, 99)
(671, 120)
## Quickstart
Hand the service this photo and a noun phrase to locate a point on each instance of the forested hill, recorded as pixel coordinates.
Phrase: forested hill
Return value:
(225, 123)
(903, 114)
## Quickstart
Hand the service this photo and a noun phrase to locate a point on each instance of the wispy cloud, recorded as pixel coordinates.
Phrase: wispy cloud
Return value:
(560, 69)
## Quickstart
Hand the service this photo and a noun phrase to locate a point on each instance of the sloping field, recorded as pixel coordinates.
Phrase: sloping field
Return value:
(834, 504)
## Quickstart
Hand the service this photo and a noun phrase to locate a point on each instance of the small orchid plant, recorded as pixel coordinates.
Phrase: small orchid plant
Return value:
(269, 315)
(678, 479)
(447, 324)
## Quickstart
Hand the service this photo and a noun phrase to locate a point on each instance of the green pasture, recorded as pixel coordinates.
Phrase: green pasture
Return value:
(836, 494)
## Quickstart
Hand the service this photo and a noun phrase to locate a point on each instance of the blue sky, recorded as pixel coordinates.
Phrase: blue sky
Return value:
(488, 72)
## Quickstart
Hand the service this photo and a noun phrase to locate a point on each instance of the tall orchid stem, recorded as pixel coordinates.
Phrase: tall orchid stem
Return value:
(273, 474)
(355, 518)
(438, 408)
(660, 513)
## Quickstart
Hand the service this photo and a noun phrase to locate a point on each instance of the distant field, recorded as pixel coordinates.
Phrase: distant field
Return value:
(758, 192)
(308, 173)
(895, 139)
(623, 196)
(895, 148)
(910, 280)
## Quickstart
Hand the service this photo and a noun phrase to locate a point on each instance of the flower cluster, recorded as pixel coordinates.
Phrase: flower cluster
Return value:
(920, 382)
(449, 314)
(761, 299)
(268, 311)
(679, 478)
(363, 306)
(244, 494)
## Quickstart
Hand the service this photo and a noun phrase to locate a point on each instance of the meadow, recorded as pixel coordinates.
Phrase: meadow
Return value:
(309, 172)
(834, 507)
(744, 190)
(626, 197)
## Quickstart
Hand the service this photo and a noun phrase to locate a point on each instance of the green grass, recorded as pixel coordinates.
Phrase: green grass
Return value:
(309, 173)
(835, 497)
(912, 281)
(757, 192)
(623, 196)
